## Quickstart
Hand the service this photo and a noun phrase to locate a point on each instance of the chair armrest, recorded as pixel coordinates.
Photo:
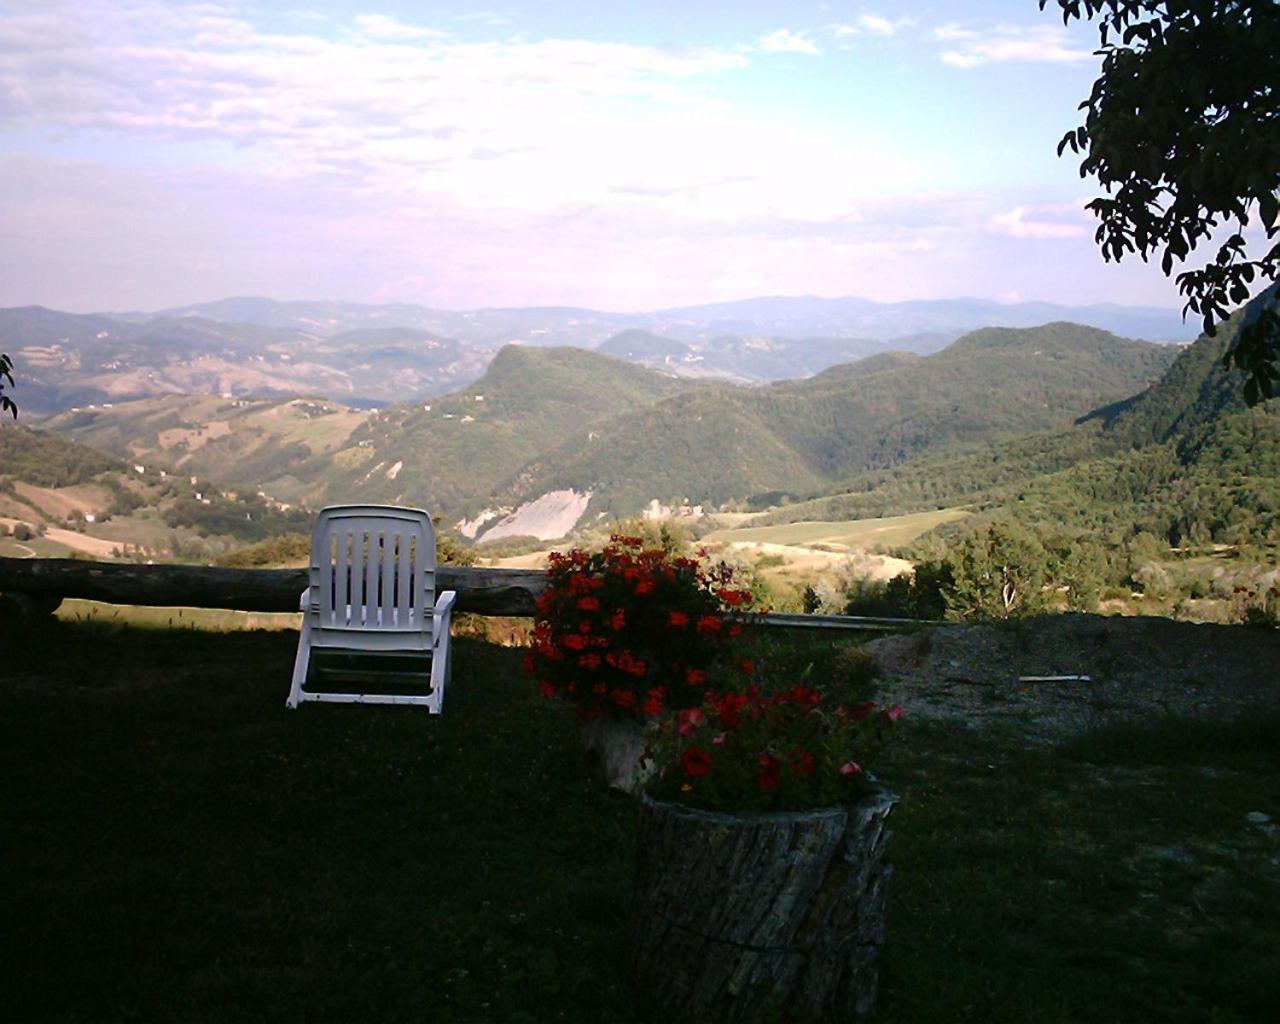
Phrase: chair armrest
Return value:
(302, 601)
(442, 615)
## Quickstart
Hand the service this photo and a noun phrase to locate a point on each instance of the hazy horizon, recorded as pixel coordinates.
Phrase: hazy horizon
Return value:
(162, 154)
(638, 311)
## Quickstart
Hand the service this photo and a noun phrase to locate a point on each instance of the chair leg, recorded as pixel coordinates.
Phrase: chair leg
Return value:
(439, 678)
(300, 666)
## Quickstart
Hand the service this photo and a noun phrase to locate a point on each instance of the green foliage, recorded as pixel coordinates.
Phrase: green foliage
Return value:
(245, 518)
(1182, 131)
(921, 594)
(48, 460)
(720, 443)
(7, 404)
(998, 572)
(286, 549)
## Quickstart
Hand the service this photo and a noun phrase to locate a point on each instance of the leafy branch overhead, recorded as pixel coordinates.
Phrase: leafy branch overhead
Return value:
(1182, 131)
(7, 404)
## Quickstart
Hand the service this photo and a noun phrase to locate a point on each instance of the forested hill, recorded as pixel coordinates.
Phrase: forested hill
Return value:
(1181, 460)
(548, 419)
(47, 460)
(719, 443)
(454, 452)
(1197, 389)
(448, 454)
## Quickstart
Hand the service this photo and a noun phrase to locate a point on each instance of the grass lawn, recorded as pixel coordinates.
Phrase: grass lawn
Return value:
(178, 846)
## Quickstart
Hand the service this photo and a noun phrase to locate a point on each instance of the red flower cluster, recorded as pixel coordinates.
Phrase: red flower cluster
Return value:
(631, 629)
(748, 750)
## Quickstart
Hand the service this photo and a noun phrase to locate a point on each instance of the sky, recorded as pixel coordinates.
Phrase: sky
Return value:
(616, 156)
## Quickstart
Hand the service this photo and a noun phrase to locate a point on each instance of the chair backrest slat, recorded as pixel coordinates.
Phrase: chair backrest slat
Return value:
(387, 574)
(404, 577)
(342, 576)
(372, 568)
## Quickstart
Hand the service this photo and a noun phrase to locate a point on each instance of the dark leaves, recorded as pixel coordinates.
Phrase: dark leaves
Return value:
(1182, 131)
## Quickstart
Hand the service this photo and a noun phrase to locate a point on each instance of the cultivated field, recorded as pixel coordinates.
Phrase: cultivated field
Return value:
(847, 536)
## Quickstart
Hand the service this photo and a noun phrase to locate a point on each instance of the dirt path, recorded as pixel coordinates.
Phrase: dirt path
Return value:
(1135, 667)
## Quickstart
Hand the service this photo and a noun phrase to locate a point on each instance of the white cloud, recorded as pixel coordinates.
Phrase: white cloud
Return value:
(1008, 43)
(783, 40)
(1041, 222)
(952, 32)
(379, 26)
(844, 33)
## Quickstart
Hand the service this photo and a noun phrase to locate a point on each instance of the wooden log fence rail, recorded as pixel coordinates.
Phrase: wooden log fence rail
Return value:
(44, 582)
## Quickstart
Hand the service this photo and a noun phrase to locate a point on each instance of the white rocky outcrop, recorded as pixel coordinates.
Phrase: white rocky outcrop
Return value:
(548, 517)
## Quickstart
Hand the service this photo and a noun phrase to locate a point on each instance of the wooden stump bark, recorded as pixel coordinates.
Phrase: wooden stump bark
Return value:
(615, 746)
(760, 917)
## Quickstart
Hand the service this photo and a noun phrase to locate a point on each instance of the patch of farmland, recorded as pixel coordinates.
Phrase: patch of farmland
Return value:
(843, 536)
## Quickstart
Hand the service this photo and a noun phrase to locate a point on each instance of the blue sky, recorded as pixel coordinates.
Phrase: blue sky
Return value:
(626, 157)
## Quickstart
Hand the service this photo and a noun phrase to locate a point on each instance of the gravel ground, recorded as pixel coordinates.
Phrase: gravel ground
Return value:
(1136, 666)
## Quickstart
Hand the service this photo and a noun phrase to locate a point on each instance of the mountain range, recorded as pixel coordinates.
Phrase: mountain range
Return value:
(550, 438)
(368, 356)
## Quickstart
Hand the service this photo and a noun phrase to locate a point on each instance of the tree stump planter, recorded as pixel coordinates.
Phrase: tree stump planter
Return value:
(758, 917)
(615, 745)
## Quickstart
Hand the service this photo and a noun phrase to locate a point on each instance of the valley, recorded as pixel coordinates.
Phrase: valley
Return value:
(823, 487)
(374, 355)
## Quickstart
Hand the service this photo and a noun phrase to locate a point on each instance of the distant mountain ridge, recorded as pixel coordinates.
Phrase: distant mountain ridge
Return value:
(608, 437)
(1158, 439)
(784, 316)
(720, 443)
(372, 355)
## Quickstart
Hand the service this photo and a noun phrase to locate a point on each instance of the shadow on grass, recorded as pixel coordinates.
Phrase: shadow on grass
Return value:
(178, 846)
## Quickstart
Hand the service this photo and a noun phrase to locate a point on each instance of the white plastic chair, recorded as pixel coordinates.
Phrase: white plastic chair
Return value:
(372, 592)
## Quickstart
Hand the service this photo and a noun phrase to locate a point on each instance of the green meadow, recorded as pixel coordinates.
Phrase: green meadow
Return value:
(178, 846)
(880, 534)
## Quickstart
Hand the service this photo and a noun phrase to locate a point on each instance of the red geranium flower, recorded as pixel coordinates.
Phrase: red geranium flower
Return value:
(801, 763)
(655, 702)
(588, 604)
(688, 721)
(677, 619)
(625, 699)
(696, 762)
(695, 677)
(770, 775)
(708, 624)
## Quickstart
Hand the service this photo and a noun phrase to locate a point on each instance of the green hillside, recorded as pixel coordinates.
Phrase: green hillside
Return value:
(547, 419)
(47, 460)
(239, 442)
(722, 443)
(1166, 503)
(448, 454)
(453, 453)
(58, 498)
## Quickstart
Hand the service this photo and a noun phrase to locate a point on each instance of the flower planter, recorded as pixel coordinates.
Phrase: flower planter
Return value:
(615, 744)
(762, 916)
